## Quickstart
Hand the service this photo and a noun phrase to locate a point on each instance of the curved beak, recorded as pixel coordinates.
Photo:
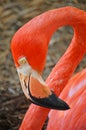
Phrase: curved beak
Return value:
(37, 91)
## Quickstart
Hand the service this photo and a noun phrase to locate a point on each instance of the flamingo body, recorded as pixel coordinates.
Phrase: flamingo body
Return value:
(75, 94)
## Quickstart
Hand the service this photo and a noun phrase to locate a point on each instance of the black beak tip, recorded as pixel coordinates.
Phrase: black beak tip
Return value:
(59, 103)
(65, 106)
(52, 102)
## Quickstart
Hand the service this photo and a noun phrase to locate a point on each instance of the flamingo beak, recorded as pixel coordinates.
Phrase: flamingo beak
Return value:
(41, 95)
(38, 93)
(36, 89)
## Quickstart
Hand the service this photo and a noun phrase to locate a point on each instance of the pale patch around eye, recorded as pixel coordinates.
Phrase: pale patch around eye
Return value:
(25, 69)
(22, 61)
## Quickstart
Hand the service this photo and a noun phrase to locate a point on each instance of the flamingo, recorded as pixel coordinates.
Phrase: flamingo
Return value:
(29, 49)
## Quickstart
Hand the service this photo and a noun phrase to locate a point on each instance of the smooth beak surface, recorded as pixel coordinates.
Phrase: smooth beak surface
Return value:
(36, 90)
(51, 102)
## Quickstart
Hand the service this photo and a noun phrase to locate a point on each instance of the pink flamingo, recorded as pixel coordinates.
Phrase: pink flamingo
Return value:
(29, 48)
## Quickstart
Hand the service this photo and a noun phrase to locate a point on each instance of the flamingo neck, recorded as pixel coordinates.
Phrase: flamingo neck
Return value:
(75, 52)
(44, 26)
(47, 23)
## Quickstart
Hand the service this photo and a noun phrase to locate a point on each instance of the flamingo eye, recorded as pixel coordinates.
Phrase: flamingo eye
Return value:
(24, 67)
(22, 61)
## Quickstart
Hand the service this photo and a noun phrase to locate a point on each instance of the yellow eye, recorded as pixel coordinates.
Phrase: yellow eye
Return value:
(22, 61)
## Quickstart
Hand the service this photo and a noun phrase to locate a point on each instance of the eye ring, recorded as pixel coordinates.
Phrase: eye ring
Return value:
(22, 61)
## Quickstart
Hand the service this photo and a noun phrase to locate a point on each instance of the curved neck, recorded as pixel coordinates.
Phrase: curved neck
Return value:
(49, 22)
(75, 52)
(44, 25)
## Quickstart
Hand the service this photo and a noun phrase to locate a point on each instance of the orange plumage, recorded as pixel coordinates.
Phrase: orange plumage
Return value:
(75, 94)
(34, 38)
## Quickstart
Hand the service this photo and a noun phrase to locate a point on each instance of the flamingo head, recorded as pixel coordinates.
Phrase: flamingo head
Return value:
(29, 49)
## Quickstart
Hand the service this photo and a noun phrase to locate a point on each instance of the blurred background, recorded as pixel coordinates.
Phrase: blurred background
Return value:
(14, 14)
